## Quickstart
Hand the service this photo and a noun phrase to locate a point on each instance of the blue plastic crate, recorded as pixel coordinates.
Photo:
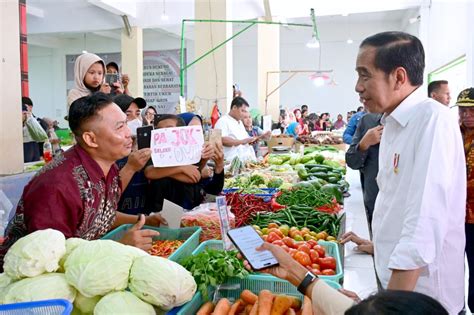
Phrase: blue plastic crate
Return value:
(267, 196)
(46, 307)
(190, 234)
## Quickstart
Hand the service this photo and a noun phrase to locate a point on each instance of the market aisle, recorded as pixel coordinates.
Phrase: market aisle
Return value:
(359, 272)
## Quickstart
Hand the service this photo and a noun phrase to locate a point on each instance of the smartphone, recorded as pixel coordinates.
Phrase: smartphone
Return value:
(111, 78)
(144, 136)
(215, 136)
(247, 240)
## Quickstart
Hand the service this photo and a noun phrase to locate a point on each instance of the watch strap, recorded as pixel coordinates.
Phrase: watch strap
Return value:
(308, 279)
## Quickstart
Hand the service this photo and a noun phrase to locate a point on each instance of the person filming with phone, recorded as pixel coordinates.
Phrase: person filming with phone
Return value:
(118, 83)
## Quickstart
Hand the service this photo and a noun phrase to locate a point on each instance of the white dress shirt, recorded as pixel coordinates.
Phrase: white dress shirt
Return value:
(235, 129)
(418, 220)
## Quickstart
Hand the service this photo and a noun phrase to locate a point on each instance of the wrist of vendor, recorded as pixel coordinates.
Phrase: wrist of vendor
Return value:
(298, 275)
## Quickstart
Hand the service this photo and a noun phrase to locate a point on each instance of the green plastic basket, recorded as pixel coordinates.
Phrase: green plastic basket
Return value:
(190, 234)
(233, 287)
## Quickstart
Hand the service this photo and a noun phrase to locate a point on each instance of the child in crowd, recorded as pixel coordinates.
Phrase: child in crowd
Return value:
(89, 74)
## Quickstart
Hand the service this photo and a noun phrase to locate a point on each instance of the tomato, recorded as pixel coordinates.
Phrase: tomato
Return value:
(304, 248)
(264, 237)
(322, 235)
(289, 242)
(328, 272)
(327, 263)
(292, 252)
(276, 231)
(315, 266)
(321, 251)
(286, 248)
(273, 237)
(273, 226)
(298, 238)
(313, 254)
(316, 272)
(285, 229)
(305, 231)
(302, 258)
(278, 243)
(311, 243)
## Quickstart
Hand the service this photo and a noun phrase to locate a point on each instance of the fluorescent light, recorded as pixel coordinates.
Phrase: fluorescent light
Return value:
(84, 51)
(318, 81)
(313, 43)
(164, 17)
(350, 41)
(345, 14)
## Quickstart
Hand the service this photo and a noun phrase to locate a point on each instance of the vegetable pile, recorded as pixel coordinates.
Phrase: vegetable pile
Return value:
(245, 206)
(213, 267)
(164, 248)
(208, 220)
(309, 196)
(94, 275)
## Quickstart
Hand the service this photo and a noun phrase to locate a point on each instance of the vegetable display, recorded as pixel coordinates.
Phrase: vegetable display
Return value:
(307, 196)
(164, 248)
(213, 267)
(244, 206)
(208, 220)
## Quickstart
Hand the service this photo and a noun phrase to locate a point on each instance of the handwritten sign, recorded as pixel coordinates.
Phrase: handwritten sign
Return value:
(224, 220)
(176, 146)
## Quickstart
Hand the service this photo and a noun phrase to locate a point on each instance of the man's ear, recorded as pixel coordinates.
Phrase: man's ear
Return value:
(400, 77)
(90, 139)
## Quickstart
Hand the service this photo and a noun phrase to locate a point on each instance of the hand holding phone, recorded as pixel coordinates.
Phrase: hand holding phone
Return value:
(144, 137)
(247, 240)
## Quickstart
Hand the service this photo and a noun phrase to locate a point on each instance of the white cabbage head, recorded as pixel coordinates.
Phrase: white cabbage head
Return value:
(71, 244)
(44, 287)
(35, 254)
(86, 304)
(99, 267)
(161, 282)
(122, 303)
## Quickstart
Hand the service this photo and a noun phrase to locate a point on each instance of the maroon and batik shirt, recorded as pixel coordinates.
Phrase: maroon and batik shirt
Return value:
(70, 194)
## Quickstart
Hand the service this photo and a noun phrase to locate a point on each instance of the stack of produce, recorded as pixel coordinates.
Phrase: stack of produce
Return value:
(252, 183)
(208, 220)
(94, 275)
(323, 199)
(245, 206)
(320, 139)
(265, 303)
(164, 248)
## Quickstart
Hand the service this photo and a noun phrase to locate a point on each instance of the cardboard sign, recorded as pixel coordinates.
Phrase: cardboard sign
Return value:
(224, 218)
(172, 213)
(176, 146)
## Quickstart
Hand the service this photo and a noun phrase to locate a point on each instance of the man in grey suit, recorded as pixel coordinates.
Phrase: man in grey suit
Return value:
(363, 155)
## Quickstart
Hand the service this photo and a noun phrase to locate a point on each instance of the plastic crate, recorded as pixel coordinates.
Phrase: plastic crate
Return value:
(190, 234)
(46, 307)
(267, 196)
(254, 282)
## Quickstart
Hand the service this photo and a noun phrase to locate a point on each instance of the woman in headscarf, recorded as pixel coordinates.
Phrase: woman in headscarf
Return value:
(89, 74)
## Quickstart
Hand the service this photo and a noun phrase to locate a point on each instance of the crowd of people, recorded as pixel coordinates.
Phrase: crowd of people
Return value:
(413, 157)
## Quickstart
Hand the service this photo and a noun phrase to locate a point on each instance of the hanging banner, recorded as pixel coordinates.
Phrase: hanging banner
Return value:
(161, 80)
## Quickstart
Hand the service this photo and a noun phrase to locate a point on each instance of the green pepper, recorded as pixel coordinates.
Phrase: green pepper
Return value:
(302, 174)
(334, 191)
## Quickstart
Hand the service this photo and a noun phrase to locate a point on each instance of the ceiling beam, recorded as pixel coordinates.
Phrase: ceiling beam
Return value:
(128, 8)
(34, 11)
(268, 11)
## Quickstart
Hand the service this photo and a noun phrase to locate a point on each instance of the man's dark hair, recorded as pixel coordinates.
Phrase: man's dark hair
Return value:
(161, 117)
(359, 109)
(398, 49)
(304, 107)
(26, 101)
(398, 302)
(238, 102)
(435, 85)
(112, 65)
(84, 109)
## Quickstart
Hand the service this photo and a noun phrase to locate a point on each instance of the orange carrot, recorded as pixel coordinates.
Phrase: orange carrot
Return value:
(248, 297)
(281, 304)
(254, 310)
(222, 307)
(237, 307)
(265, 300)
(206, 309)
(290, 311)
(307, 308)
(296, 303)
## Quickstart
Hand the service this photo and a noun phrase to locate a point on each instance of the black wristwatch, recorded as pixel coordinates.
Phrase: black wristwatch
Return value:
(308, 279)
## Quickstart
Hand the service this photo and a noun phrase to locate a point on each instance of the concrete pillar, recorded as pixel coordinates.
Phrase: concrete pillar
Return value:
(268, 47)
(132, 59)
(213, 74)
(11, 131)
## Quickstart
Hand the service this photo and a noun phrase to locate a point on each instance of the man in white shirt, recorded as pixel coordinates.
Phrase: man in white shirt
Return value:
(439, 90)
(234, 136)
(418, 220)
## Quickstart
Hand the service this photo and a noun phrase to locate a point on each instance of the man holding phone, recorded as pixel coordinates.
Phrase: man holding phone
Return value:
(118, 85)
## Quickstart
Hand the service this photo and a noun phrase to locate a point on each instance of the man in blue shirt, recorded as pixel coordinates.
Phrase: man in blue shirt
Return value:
(352, 125)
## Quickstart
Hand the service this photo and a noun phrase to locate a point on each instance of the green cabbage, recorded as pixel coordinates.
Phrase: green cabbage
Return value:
(99, 267)
(84, 304)
(71, 244)
(122, 303)
(35, 254)
(161, 282)
(43, 287)
(5, 281)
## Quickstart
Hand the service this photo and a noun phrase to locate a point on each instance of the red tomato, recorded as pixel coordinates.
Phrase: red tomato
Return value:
(286, 248)
(302, 258)
(292, 252)
(304, 248)
(321, 251)
(327, 263)
(278, 243)
(313, 254)
(289, 242)
(328, 272)
(316, 272)
(277, 231)
(315, 266)
(272, 236)
(273, 225)
(312, 243)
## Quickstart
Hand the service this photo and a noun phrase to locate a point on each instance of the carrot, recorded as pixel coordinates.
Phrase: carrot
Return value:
(254, 310)
(296, 303)
(237, 307)
(281, 304)
(307, 308)
(206, 309)
(265, 300)
(290, 311)
(248, 296)
(222, 307)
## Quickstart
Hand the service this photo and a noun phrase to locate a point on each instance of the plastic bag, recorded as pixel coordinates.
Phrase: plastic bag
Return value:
(37, 132)
(206, 216)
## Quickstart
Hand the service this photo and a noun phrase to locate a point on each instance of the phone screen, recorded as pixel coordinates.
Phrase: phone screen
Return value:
(144, 136)
(111, 78)
(247, 240)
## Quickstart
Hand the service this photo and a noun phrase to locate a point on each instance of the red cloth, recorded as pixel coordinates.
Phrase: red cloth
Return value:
(70, 194)
(215, 115)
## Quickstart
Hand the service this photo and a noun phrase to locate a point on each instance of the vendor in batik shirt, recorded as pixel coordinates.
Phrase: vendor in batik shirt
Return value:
(77, 193)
